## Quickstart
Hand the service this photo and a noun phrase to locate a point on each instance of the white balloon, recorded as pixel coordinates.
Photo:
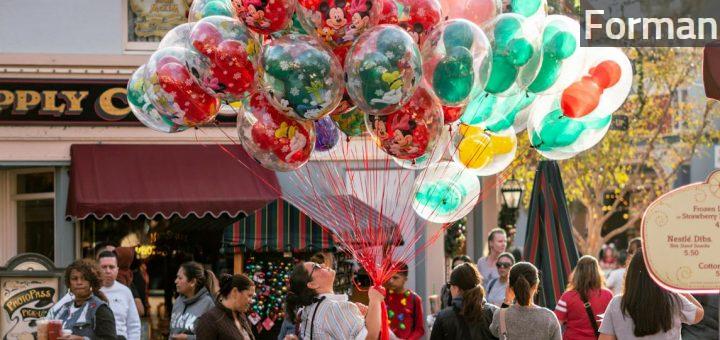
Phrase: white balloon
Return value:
(445, 192)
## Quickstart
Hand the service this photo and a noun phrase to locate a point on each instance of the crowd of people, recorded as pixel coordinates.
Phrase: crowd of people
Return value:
(493, 299)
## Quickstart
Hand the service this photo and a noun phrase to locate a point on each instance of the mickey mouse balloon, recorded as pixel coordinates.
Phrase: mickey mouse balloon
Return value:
(265, 16)
(276, 141)
(383, 69)
(338, 23)
(302, 78)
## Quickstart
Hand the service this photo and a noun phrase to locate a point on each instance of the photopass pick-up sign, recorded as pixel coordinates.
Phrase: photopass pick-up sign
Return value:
(649, 23)
(68, 102)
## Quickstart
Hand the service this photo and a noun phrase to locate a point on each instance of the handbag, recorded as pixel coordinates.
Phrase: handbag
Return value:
(591, 316)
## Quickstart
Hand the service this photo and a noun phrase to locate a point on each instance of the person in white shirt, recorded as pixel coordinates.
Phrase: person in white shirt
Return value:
(616, 278)
(497, 244)
(127, 320)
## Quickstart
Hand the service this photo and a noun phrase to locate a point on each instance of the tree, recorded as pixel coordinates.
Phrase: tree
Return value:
(667, 125)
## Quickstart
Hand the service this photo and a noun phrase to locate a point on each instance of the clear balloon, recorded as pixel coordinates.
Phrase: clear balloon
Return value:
(445, 192)
(411, 131)
(477, 11)
(205, 8)
(175, 77)
(417, 17)
(605, 84)
(351, 123)
(383, 69)
(498, 113)
(562, 57)
(179, 36)
(515, 54)
(303, 79)
(338, 23)
(430, 157)
(556, 136)
(276, 141)
(327, 134)
(232, 52)
(265, 16)
(141, 107)
(482, 152)
(455, 57)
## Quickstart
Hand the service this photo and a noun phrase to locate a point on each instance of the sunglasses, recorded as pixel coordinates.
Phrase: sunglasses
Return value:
(503, 265)
(315, 266)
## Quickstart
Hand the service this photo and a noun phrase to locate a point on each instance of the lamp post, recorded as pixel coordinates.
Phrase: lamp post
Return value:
(511, 191)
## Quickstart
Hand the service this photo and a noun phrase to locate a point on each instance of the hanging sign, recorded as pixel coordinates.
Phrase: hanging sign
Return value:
(681, 237)
(29, 286)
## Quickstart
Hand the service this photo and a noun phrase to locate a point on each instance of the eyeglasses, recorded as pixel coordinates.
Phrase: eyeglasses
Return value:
(315, 266)
(503, 265)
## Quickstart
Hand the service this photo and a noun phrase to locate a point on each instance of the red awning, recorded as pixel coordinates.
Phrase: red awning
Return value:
(114, 180)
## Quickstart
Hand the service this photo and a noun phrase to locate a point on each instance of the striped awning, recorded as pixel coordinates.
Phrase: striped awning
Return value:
(278, 227)
(549, 243)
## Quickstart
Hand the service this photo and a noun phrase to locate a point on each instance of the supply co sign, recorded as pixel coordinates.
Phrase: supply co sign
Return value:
(649, 23)
(69, 102)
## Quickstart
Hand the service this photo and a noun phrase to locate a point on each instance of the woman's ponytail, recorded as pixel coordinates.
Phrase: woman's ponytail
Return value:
(523, 277)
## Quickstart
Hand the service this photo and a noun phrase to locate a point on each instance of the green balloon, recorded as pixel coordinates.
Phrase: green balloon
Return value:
(505, 30)
(453, 77)
(547, 75)
(560, 46)
(519, 51)
(296, 26)
(314, 64)
(502, 75)
(136, 92)
(298, 96)
(459, 33)
(556, 130)
(525, 8)
(217, 7)
(479, 109)
(441, 197)
(371, 71)
(500, 121)
(278, 63)
(393, 43)
(351, 123)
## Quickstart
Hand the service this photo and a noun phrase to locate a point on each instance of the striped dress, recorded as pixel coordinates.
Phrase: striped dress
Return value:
(336, 318)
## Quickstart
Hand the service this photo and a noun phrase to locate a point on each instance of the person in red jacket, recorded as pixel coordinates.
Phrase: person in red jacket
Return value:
(587, 285)
(404, 307)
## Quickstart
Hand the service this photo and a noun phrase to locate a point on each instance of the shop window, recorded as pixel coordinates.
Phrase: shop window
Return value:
(149, 20)
(34, 198)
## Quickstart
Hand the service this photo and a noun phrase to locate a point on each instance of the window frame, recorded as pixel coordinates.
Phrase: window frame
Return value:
(13, 239)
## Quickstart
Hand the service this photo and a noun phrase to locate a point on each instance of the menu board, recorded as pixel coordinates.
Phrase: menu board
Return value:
(681, 237)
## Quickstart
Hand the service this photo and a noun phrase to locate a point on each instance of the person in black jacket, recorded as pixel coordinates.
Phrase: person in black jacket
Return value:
(87, 315)
(227, 320)
(470, 315)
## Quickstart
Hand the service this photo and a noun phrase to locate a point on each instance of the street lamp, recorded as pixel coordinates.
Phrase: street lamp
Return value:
(511, 192)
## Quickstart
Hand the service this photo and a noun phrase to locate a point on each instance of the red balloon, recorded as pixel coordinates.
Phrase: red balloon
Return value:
(583, 96)
(275, 132)
(232, 67)
(198, 105)
(580, 98)
(205, 38)
(606, 74)
(417, 17)
(265, 16)
(452, 113)
(408, 132)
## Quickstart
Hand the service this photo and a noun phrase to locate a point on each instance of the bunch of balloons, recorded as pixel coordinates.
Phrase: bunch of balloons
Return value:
(439, 85)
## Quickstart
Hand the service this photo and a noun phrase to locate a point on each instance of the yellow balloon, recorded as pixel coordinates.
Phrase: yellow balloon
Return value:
(474, 151)
(468, 131)
(501, 144)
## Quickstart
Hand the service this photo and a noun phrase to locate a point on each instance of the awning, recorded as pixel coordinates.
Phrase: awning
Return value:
(113, 180)
(278, 227)
(281, 227)
(549, 243)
